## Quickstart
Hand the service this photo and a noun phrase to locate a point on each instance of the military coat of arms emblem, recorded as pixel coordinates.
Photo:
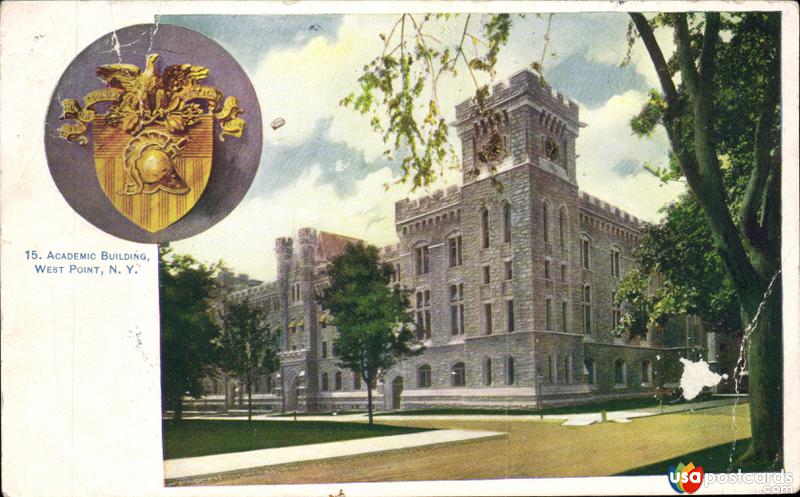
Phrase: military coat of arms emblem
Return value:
(154, 145)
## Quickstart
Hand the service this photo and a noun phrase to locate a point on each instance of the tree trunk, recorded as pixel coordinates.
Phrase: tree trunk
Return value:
(249, 401)
(177, 408)
(369, 398)
(765, 376)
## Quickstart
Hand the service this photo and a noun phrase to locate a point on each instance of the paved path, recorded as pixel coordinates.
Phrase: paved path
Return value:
(222, 463)
(583, 419)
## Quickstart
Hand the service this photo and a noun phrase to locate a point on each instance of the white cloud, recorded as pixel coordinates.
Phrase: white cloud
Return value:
(608, 140)
(247, 236)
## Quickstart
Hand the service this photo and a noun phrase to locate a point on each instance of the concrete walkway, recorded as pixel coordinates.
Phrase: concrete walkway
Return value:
(567, 419)
(175, 469)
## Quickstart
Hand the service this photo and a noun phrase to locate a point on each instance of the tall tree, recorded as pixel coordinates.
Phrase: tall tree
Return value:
(371, 316)
(680, 253)
(725, 110)
(249, 346)
(187, 330)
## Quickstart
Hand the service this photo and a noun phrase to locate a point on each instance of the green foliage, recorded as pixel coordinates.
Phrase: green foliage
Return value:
(249, 348)
(372, 318)
(398, 89)
(678, 257)
(187, 330)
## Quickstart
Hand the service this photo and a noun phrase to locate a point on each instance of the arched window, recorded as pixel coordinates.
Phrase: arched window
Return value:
(337, 380)
(587, 309)
(586, 251)
(484, 228)
(616, 311)
(324, 387)
(647, 373)
(424, 376)
(546, 223)
(510, 371)
(487, 372)
(506, 222)
(620, 373)
(590, 370)
(562, 227)
(458, 375)
(615, 262)
(356, 381)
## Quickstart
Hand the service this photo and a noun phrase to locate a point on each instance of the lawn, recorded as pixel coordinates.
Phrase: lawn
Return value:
(608, 405)
(195, 437)
(534, 449)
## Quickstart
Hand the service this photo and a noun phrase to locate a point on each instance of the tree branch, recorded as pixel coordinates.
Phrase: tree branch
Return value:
(649, 39)
(685, 54)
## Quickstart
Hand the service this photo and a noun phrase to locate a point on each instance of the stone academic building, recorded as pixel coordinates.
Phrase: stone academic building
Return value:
(512, 288)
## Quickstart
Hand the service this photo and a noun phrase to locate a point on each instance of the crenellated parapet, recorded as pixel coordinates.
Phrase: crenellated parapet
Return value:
(598, 212)
(440, 200)
(524, 84)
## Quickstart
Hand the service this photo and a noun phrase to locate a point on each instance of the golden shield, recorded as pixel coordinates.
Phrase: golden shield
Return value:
(154, 147)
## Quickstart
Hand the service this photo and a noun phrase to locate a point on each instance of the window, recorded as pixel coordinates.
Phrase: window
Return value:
(506, 222)
(587, 309)
(586, 249)
(324, 382)
(510, 371)
(454, 249)
(334, 351)
(616, 312)
(487, 275)
(424, 376)
(457, 309)
(510, 315)
(615, 262)
(487, 372)
(423, 312)
(551, 369)
(547, 269)
(396, 273)
(562, 227)
(563, 273)
(545, 223)
(484, 228)
(337, 381)
(619, 372)
(324, 349)
(507, 270)
(356, 381)
(564, 317)
(458, 375)
(551, 149)
(487, 319)
(548, 314)
(567, 369)
(647, 373)
(423, 260)
(590, 371)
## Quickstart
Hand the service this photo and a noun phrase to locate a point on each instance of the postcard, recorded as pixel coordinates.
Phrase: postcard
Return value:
(409, 248)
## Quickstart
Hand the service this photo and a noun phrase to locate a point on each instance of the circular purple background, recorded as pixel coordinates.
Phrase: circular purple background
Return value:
(235, 160)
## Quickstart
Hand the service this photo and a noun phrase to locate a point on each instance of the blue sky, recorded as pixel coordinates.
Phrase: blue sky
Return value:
(324, 167)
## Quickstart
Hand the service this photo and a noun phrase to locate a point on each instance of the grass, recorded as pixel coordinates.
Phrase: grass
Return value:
(609, 405)
(194, 437)
(716, 459)
(533, 449)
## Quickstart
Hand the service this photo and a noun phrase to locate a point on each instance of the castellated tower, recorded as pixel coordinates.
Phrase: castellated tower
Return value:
(284, 253)
(522, 234)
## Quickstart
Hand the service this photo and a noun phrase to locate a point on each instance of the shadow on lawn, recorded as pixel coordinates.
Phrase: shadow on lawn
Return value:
(716, 459)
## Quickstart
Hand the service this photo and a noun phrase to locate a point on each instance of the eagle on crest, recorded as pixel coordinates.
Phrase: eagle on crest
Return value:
(150, 97)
